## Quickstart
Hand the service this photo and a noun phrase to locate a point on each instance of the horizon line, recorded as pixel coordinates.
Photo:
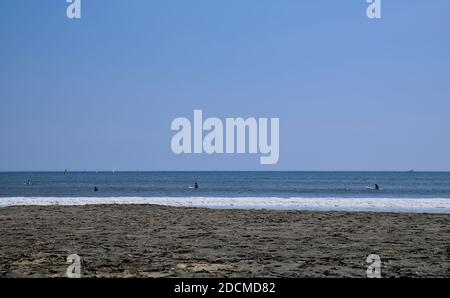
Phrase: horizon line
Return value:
(208, 171)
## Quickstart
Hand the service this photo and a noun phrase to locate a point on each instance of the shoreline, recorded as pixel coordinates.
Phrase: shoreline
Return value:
(320, 204)
(162, 241)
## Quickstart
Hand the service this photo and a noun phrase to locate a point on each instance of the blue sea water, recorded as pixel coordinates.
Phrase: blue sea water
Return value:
(227, 184)
(348, 191)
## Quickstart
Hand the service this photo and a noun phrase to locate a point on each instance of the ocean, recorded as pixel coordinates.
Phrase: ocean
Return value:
(341, 191)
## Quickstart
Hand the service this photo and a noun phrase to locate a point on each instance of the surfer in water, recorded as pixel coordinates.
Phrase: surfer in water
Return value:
(375, 187)
(95, 189)
(195, 185)
(28, 182)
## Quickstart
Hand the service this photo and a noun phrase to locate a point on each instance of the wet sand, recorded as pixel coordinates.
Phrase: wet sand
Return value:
(158, 241)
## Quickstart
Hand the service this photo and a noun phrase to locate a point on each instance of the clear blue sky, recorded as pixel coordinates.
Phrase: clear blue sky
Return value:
(100, 93)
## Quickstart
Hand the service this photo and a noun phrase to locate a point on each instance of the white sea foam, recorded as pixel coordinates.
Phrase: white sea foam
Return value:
(428, 205)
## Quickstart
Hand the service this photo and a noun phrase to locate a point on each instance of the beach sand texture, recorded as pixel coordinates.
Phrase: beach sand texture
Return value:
(159, 241)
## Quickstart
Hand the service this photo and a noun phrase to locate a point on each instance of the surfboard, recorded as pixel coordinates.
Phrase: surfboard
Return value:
(373, 188)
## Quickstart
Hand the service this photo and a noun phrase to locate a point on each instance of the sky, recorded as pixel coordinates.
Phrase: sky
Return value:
(100, 92)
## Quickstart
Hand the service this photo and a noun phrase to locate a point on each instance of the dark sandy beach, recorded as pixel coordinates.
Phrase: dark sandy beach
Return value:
(157, 241)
